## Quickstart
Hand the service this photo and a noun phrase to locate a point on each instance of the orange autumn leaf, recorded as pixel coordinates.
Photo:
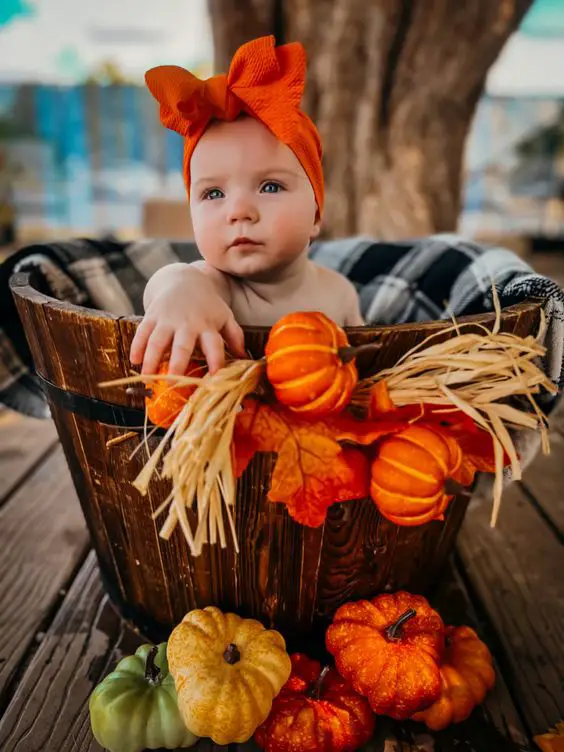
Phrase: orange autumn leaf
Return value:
(553, 741)
(345, 428)
(312, 473)
(348, 480)
(477, 455)
(465, 473)
(262, 428)
(380, 400)
(359, 463)
(312, 470)
(258, 428)
(243, 449)
(478, 448)
(381, 406)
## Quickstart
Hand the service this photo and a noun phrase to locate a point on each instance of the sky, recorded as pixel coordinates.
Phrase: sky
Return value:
(61, 41)
(532, 61)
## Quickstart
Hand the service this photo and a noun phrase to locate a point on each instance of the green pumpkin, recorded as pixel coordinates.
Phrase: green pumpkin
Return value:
(134, 708)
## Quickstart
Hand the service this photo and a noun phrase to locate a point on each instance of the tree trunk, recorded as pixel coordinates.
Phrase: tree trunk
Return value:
(392, 86)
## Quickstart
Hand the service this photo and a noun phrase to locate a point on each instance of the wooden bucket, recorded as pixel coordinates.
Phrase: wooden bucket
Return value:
(288, 576)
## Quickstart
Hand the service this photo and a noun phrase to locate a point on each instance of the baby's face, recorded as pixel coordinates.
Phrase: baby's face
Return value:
(252, 205)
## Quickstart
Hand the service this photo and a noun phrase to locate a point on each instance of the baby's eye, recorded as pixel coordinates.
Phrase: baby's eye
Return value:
(271, 186)
(212, 194)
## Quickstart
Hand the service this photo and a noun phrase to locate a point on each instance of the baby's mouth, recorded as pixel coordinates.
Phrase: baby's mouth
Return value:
(244, 241)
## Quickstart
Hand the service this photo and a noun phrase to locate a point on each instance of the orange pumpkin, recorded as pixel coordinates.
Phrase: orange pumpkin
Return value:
(389, 648)
(164, 401)
(467, 675)
(309, 365)
(316, 711)
(409, 474)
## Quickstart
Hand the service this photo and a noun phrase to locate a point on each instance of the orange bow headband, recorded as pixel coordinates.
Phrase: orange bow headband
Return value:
(264, 81)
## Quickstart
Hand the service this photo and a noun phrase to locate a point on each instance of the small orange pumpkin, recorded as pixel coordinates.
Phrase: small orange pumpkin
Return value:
(467, 675)
(409, 474)
(316, 711)
(308, 363)
(389, 648)
(164, 401)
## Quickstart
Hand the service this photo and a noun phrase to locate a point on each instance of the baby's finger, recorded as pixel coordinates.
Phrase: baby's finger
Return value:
(213, 348)
(140, 340)
(234, 337)
(158, 344)
(182, 349)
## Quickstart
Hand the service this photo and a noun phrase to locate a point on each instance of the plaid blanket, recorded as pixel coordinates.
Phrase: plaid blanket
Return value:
(425, 279)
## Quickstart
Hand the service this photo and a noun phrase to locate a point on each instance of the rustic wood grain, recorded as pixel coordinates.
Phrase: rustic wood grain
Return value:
(42, 540)
(516, 572)
(286, 575)
(543, 481)
(48, 712)
(23, 443)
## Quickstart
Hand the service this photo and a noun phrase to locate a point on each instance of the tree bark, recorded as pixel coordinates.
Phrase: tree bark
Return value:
(393, 87)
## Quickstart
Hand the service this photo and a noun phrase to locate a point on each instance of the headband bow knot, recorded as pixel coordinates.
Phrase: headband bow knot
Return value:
(264, 81)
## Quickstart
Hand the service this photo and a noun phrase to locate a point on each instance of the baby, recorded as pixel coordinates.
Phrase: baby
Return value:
(252, 165)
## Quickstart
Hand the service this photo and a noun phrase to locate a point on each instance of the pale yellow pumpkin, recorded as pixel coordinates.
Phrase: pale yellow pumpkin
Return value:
(227, 670)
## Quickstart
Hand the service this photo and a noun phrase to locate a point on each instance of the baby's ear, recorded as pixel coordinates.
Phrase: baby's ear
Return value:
(316, 225)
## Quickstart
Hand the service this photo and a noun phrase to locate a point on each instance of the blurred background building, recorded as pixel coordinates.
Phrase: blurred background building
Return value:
(82, 151)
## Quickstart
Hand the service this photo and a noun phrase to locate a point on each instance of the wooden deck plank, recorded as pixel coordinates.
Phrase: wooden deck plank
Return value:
(516, 571)
(43, 538)
(543, 480)
(23, 442)
(48, 711)
(556, 418)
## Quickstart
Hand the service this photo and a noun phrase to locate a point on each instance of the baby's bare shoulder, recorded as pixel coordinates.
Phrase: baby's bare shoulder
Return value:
(336, 287)
(220, 279)
(337, 281)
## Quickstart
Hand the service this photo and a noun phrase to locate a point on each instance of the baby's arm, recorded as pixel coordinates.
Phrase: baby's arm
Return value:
(186, 305)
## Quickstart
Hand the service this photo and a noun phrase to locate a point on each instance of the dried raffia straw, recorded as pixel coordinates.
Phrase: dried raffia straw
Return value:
(121, 439)
(196, 453)
(477, 373)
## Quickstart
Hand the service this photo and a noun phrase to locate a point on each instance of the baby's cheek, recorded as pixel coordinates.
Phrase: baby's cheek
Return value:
(206, 234)
(291, 224)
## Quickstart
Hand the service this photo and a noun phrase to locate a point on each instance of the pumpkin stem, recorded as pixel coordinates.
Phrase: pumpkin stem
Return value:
(394, 630)
(346, 354)
(152, 671)
(232, 654)
(454, 488)
(139, 391)
(315, 691)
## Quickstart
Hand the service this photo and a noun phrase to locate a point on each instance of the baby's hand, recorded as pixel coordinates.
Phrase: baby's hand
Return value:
(180, 316)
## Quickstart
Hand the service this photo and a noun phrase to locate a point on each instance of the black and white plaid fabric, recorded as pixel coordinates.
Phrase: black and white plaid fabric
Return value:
(424, 279)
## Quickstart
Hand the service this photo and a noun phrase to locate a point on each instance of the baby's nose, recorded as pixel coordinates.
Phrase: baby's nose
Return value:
(242, 210)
